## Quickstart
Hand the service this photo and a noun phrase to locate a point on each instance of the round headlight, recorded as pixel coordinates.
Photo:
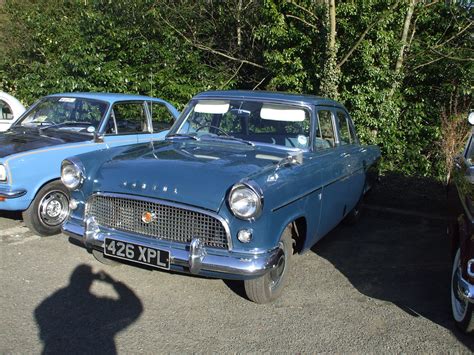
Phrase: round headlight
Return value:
(3, 173)
(71, 175)
(245, 202)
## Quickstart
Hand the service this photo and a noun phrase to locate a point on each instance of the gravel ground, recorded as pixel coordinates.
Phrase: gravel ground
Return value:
(379, 286)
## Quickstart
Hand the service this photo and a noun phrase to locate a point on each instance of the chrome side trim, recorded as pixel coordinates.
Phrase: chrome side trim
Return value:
(224, 223)
(12, 194)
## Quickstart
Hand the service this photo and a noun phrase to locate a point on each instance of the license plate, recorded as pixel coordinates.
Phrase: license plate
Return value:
(137, 253)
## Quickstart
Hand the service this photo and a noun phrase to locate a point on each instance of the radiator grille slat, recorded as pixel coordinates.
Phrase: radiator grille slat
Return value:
(170, 222)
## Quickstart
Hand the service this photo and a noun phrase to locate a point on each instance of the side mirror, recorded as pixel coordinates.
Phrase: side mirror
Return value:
(470, 118)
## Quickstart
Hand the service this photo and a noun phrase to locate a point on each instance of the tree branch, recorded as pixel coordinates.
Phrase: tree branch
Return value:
(454, 36)
(209, 49)
(304, 21)
(304, 9)
(366, 31)
(233, 76)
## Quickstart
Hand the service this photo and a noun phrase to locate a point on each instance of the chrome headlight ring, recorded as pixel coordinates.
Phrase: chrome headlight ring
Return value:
(72, 174)
(246, 200)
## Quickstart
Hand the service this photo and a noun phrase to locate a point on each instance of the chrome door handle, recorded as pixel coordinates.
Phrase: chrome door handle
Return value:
(362, 150)
(345, 155)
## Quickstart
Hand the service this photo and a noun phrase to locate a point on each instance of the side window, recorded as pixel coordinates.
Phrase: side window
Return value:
(161, 118)
(325, 133)
(345, 136)
(128, 118)
(5, 111)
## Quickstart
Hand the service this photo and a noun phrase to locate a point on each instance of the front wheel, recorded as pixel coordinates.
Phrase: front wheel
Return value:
(461, 309)
(48, 210)
(269, 287)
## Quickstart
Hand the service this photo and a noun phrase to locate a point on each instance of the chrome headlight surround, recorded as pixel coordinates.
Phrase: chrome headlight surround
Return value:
(72, 174)
(246, 200)
(3, 173)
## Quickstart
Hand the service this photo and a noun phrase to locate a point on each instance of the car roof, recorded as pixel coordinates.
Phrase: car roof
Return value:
(108, 97)
(269, 95)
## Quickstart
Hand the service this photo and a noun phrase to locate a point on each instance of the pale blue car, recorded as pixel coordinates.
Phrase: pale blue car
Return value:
(61, 125)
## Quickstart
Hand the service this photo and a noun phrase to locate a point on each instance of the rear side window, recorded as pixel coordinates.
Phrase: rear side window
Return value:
(325, 131)
(161, 117)
(128, 118)
(5, 111)
(345, 136)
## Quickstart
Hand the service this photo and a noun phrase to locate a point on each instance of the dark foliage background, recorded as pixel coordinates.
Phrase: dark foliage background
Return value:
(403, 68)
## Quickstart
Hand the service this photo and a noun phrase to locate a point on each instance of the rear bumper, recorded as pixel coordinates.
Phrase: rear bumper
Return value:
(193, 258)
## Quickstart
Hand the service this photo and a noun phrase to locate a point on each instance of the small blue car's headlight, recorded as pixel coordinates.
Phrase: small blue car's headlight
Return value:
(3, 173)
(72, 175)
(245, 201)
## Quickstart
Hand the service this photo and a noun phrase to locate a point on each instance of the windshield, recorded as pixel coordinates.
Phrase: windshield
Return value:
(255, 121)
(66, 113)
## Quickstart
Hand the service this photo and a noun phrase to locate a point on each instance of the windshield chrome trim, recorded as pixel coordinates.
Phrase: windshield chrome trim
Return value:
(224, 222)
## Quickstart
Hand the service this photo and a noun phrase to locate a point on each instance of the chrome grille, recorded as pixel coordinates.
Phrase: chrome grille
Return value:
(170, 222)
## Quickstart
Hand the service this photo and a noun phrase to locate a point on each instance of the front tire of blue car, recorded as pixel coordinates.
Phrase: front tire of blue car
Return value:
(269, 287)
(48, 210)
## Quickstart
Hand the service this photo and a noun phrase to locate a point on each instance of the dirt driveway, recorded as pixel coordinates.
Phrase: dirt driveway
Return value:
(382, 285)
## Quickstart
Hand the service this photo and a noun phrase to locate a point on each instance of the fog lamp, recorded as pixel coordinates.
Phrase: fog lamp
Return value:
(245, 235)
(73, 204)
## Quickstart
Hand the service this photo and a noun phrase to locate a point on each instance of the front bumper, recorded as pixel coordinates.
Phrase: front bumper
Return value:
(12, 199)
(194, 258)
(8, 193)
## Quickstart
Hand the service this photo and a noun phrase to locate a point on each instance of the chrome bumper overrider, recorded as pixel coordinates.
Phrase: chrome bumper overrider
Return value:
(465, 290)
(195, 259)
(12, 193)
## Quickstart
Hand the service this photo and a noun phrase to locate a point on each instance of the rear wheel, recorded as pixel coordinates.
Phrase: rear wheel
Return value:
(461, 309)
(48, 210)
(269, 287)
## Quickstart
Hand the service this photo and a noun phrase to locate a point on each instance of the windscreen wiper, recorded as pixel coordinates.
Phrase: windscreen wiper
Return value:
(231, 138)
(182, 135)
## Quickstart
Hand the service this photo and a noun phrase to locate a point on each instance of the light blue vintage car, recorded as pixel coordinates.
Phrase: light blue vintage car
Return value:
(61, 125)
(242, 182)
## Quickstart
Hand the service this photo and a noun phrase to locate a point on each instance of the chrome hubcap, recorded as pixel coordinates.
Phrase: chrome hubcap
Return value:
(277, 272)
(53, 208)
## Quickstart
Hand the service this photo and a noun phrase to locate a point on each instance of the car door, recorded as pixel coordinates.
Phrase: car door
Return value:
(126, 122)
(353, 155)
(333, 165)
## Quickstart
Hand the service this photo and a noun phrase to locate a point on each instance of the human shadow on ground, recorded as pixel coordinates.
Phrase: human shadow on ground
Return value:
(73, 320)
(400, 259)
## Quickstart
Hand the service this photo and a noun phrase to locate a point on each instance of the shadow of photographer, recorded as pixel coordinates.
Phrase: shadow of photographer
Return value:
(74, 320)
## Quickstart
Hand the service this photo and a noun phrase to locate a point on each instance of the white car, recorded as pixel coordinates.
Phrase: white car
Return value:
(10, 110)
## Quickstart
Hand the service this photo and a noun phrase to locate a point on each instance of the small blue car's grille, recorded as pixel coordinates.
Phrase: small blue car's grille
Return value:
(165, 221)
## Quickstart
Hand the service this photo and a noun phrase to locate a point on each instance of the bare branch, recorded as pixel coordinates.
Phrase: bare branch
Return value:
(304, 9)
(448, 56)
(233, 76)
(259, 83)
(366, 31)
(454, 36)
(209, 49)
(304, 21)
(427, 63)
